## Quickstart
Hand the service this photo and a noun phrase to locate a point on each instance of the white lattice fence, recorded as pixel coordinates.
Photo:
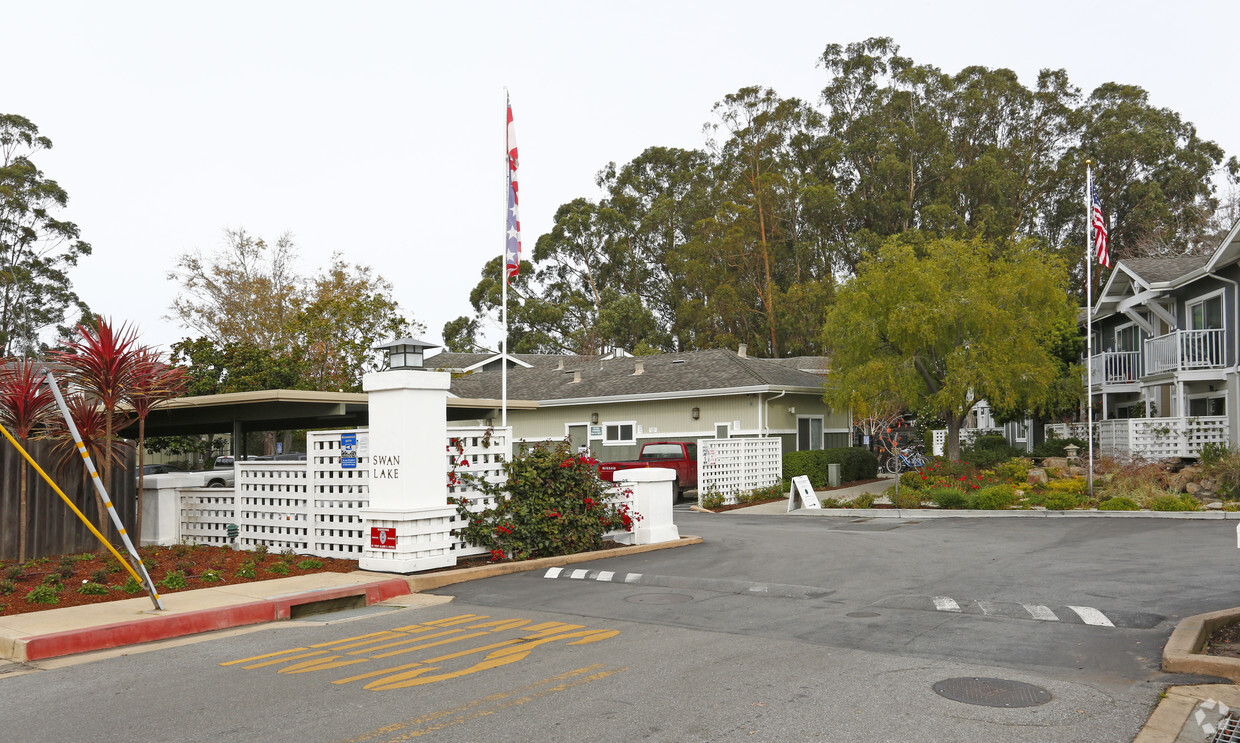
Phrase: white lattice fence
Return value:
(339, 493)
(938, 438)
(206, 514)
(273, 505)
(1067, 430)
(733, 466)
(481, 452)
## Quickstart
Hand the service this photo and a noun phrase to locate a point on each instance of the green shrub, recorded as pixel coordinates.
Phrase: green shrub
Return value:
(1174, 503)
(995, 497)
(913, 480)
(151, 563)
(279, 568)
(1224, 467)
(1074, 486)
(906, 498)
(1015, 470)
(43, 595)
(14, 572)
(310, 564)
(711, 499)
(7, 586)
(173, 580)
(101, 575)
(552, 502)
(1061, 501)
(90, 588)
(1119, 504)
(1212, 452)
(1054, 447)
(247, 570)
(855, 464)
(947, 497)
(212, 576)
(831, 503)
(133, 586)
(52, 579)
(987, 451)
(864, 500)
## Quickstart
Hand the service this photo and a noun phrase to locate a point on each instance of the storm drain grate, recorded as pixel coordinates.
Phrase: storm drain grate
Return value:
(992, 692)
(1228, 730)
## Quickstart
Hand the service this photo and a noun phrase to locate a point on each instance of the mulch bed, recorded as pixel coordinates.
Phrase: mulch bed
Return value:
(1224, 642)
(17, 580)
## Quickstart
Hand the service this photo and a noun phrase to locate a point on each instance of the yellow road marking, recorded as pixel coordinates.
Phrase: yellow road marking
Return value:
(282, 660)
(265, 655)
(424, 645)
(461, 619)
(420, 638)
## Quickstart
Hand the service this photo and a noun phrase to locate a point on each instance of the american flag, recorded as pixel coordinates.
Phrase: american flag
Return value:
(512, 242)
(1095, 218)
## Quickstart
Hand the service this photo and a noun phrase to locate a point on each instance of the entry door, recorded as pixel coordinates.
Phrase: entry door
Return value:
(577, 437)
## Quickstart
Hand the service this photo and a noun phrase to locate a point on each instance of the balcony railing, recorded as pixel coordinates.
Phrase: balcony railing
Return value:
(1185, 349)
(1116, 367)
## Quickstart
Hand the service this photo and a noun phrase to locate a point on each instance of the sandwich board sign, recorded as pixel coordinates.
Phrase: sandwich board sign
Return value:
(803, 493)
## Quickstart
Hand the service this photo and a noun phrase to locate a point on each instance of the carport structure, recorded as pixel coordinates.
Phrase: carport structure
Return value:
(240, 413)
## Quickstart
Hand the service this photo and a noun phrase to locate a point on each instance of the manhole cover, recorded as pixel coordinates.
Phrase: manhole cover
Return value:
(862, 614)
(659, 598)
(992, 692)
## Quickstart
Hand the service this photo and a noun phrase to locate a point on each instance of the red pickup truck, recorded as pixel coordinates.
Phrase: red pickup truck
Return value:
(674, 455)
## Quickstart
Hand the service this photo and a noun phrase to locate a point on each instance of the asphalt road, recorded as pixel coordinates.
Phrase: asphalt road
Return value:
(778, 628)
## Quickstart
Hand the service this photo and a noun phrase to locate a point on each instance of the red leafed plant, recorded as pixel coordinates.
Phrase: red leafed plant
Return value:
(102, 363)
(95, 426)
(25, 403)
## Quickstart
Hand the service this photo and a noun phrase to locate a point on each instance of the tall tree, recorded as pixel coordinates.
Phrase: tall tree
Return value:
(36, 248)
(945, 323)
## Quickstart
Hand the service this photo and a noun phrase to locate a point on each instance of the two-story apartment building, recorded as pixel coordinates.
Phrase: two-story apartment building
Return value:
(1165, 379)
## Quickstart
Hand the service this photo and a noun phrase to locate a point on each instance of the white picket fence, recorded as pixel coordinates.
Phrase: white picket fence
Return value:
(737, 465)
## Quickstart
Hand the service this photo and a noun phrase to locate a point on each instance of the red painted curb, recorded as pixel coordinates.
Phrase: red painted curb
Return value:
(151, 628)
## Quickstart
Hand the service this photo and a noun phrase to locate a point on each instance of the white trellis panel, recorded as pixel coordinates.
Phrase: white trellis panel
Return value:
(338, 494)
(483, 454)
(273, 505)
(738, 465)
(206, 514)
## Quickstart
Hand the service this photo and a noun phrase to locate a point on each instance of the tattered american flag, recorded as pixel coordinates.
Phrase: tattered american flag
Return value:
(1095, 219)
(512, 239)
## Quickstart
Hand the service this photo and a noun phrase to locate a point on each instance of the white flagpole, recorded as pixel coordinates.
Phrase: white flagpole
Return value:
(1089, 323)
(503, 276)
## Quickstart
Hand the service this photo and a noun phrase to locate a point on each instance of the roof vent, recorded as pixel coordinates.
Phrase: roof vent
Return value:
(576, 377)
(559, 364)
(743, 351)
(678, 361)
(639, 368)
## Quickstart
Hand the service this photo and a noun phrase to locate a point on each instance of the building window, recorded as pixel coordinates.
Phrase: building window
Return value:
(809, 433)
(1206, 406)
(1206, 314)
(619, 434)
(1128, 338)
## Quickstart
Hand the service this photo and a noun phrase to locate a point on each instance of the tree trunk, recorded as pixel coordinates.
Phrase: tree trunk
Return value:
(22, 516)
(954, 424)
(141, 474)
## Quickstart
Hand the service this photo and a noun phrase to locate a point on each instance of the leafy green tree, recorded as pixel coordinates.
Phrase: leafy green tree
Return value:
(237, 367)
(36, 248)
(947, 322)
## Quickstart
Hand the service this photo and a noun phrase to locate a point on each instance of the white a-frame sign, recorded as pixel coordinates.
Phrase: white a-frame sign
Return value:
(801, 494)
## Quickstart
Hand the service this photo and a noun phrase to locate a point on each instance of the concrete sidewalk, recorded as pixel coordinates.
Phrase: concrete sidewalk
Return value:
(840, 494)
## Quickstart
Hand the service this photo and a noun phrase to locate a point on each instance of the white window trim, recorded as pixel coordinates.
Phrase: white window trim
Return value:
(1125, 326)
(1201, 299)
(822, 431)
(619, 442)
(1188, 400)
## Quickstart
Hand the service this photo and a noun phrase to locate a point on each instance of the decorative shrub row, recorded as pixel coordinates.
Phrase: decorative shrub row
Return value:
(855, 464)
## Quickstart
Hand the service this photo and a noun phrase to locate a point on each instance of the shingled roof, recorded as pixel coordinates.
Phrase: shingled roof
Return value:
(661, 374)
(1158, 270)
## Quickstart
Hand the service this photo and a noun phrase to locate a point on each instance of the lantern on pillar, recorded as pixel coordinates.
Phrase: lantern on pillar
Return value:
(405, 353)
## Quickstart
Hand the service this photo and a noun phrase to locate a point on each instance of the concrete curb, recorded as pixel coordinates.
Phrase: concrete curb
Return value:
(419, 583)
(935, 513)
(1176, 708)
(1182, 653)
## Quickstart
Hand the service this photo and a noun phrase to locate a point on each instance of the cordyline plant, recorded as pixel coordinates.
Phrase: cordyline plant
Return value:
(552, 503)
(102, 363)
(95, 426)
(25, 404)
(153, 383)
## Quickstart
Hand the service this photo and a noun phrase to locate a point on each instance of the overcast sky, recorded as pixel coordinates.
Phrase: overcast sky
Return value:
(376, 128)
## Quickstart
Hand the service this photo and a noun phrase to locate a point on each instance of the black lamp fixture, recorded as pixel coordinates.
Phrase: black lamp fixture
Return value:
(405, 353)
(697, 413)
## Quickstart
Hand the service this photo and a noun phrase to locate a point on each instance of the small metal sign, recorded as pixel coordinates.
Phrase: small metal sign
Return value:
(383, 537)
(804, 492)
(596, 432)
(348, 451)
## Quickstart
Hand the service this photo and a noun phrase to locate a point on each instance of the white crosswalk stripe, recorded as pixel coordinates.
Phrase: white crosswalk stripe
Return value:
(1037, 611)
(1092, 616)
(943, 603)
(579, 574)
(553, 572)
(605, 575)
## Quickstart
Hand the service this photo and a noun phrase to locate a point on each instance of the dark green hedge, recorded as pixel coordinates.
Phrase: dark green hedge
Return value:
(855, 464)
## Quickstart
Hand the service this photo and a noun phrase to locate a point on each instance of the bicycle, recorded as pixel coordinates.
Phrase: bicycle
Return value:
(908, 458)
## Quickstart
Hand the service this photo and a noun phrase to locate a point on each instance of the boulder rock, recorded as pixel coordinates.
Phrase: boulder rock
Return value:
(1037, 476)
(1215, 506)
(1192, 488)
(1058, 463)
(1075, 471)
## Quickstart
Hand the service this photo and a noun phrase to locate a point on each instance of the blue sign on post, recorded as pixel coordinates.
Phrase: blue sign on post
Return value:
(348, 451)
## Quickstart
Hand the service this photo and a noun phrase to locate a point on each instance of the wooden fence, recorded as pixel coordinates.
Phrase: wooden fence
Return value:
(53, 529)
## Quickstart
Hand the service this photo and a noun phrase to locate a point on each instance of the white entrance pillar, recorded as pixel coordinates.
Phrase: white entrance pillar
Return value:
(407, 526)
(652, 499)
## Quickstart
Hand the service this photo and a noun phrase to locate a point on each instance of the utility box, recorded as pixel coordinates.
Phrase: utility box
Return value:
(833, 475)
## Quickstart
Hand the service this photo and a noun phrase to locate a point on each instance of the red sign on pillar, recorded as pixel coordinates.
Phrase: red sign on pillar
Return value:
(383, 537)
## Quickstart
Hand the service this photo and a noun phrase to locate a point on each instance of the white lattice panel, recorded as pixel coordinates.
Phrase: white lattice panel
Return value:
(338, 494)
(273, 505)
(734, 466)
(480, 452)
(206, 514)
